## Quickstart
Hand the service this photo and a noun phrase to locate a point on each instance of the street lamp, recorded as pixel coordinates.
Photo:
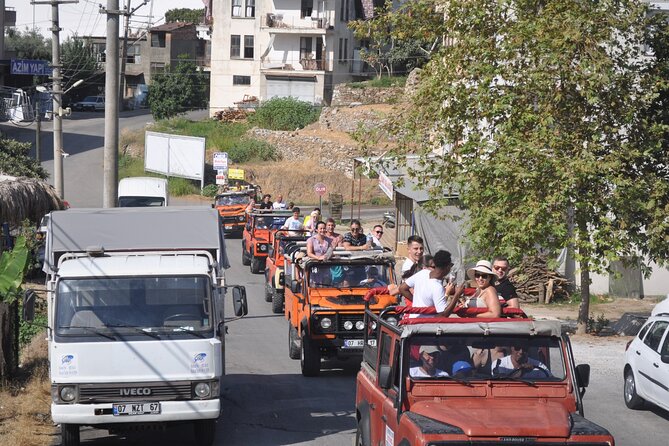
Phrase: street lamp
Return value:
(57, 133)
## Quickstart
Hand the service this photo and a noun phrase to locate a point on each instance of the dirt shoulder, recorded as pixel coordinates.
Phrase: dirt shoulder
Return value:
(611, 309)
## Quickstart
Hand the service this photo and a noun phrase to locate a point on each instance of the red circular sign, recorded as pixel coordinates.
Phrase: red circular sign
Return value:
(320, 189)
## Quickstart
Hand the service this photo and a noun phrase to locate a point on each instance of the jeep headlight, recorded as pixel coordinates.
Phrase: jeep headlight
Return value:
(326, 323)
(348, 325)
(68, 393)
(262, 247)
(202, 390)
(392, 320)
(240, 218)
(359, 325)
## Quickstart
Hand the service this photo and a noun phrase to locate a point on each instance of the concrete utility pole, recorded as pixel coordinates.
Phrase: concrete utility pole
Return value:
(110, 174)
(57, 93)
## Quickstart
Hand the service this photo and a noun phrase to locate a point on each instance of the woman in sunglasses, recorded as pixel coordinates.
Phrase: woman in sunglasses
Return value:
(486, 295)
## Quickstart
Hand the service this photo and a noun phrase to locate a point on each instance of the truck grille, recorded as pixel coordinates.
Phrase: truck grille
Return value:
(105, 393)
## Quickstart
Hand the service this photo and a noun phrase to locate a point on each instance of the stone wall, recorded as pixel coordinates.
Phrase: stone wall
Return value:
(349, 119)
(344, 95)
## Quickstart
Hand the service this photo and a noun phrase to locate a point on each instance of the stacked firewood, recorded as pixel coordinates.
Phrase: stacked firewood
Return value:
(535, 281)
(231, 115)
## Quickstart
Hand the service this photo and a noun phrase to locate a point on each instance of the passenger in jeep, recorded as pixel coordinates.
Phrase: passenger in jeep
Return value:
(372, 280)
(318, 244)
(519, 365)
(451, 352)
(428, 358)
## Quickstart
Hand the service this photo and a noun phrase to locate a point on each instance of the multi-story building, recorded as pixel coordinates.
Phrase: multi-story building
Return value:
(7, 19)
(269, 48)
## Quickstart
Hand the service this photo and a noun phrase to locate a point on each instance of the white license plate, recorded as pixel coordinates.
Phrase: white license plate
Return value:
(135, 409)
(358, 343)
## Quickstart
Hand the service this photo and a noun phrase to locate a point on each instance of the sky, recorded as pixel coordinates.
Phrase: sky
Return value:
(83, 18)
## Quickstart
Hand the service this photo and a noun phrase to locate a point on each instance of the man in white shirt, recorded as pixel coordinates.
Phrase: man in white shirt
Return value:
(519, 365)
(294, 222)
(415, 252)
(279, 203)
(428, 289)
(376, 234)
(428, 363)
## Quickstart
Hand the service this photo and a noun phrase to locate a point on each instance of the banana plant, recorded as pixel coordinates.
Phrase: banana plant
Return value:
(12, 268)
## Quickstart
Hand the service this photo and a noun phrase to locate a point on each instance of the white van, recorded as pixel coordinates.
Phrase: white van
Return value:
(142, 192)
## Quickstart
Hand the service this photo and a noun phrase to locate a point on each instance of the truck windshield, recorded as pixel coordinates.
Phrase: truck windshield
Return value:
(348, 276)
(133, 306)
(486, 358)
(232, 200)
(137, 202)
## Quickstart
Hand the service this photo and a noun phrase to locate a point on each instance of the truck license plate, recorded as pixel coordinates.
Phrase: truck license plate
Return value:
(135, 409)
(358, 343)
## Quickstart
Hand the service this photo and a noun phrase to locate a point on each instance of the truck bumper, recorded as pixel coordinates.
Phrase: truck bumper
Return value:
(85, 414)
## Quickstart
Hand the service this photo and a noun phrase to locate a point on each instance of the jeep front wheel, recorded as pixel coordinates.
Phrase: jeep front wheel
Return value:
(358, 436)
(293, 342)
(257, 265)
(310, 357)
(268, 292)
(246, 261)
(277, 302)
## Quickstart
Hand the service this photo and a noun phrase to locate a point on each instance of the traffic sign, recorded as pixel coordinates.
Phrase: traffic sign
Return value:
(221, 177)
(320, 189)
(220, 161)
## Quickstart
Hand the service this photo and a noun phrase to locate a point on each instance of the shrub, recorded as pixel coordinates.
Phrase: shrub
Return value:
(182, 186)
(252, 149)
(284, 114)
(210, 190)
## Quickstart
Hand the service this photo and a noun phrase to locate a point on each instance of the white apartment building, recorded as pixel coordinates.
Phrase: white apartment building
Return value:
(270, 48)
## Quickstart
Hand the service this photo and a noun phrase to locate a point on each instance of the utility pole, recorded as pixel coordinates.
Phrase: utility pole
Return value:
(38, 130)
(57, 93)
(110, 171)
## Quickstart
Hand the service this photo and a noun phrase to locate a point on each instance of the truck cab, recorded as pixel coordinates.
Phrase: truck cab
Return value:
(142, 192)
(325, 302)
(260, 224)
(231, 206)
(441, 381)
(136, 318)
(274, 265)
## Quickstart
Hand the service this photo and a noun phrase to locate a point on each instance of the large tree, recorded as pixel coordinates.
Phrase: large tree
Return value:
(178, 90)
(28, 44)
(15, 160)
(78, 61)
(536, 113)
(185, 15)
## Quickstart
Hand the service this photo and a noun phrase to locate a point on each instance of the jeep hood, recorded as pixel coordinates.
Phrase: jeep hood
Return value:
(500, 418)
(347, 298)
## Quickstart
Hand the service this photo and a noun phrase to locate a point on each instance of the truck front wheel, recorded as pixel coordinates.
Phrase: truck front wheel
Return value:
(69, 434)
(310, 357)
(204, 431)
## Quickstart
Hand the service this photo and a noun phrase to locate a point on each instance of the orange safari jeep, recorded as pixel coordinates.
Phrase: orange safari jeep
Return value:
(231, 207)
(274, 277)
(465, 381)
(324, 302)
(256, 236)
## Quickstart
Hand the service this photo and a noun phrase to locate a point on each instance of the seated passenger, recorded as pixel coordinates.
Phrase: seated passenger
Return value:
(483, 357)
(486, 295)
(462, 369)
(428, 368)
(372, 280)
(519, 365)
(330, 226)
(450, 353)
(293, 223)
(318, 244)
(356, 239)
(261, 223)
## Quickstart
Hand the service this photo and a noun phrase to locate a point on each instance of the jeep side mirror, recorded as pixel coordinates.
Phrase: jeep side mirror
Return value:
(385, 376)
(665, 358)
(295, 286)
(28, 310)
(583, 375)
(213, 205)
(239, 302)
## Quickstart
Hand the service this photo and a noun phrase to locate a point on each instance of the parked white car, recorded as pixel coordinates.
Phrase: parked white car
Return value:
(646, 370)
(661, 307)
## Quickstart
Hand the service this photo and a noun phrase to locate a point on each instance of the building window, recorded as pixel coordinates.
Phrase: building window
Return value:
(307, 8)
(235, 42)
(343, 11)
(241, 80)
(133, 54)
(341, 47)
(248, 47)
(250, 8)
(236, 8)
(305, 47)
(157, 67)
(343, 50)
(158, 40)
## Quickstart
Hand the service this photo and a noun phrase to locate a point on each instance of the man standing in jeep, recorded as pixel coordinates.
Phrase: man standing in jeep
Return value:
(428, 289)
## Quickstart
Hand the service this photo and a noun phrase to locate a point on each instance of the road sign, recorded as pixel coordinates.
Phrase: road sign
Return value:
(221, 177)
(220, 161)
(236, 174)
(320, 189)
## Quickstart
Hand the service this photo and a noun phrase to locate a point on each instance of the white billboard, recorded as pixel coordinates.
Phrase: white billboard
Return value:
(175, 155)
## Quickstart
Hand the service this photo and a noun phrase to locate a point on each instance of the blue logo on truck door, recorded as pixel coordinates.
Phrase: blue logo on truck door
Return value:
(200, 364)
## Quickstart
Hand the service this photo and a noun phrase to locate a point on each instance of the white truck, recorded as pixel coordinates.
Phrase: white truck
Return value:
(142, 192)
(135, 316)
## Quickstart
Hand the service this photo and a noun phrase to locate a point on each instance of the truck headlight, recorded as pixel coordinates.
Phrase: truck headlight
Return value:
(240, 218)
(359, 325)
(68, 393)
(202, 390)
(326, 323)
(348, 325)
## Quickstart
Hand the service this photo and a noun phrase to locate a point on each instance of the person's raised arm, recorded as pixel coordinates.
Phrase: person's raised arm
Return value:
(405, 291)
(492, 302)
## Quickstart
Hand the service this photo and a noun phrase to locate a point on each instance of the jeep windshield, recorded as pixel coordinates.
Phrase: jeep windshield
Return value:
(269, 221)
(349, 276)
(472, 358)
(148, 307)
(232, 200)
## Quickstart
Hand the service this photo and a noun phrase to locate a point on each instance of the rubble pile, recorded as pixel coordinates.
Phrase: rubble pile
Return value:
(535, 281)
(231, 115)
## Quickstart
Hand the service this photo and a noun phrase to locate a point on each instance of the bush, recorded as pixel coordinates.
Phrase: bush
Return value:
(252, 149)
(182, 186)
(284, 114)
(382, 82)
(210, 190)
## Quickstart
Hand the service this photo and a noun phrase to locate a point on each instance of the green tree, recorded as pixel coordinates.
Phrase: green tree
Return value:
(178, 90)
(28, 44)
(536, 114)
(15, 160)
(78, 60)
(185, 15)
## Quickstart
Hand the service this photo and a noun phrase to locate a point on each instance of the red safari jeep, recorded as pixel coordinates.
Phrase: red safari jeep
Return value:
(462, 381)
(256, 236)
(231, 206)
(274, 276)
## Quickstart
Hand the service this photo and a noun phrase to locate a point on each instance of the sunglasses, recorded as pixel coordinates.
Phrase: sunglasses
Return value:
(355, 229)
(501, 268)
(379, 232)
(481, 275)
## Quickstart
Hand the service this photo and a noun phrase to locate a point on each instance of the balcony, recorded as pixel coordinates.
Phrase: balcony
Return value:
(290, 24)
(305, 64)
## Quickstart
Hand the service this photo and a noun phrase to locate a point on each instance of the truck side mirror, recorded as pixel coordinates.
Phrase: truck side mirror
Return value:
(239, 302)
(583, 375)
(28, 310)
(385, 376)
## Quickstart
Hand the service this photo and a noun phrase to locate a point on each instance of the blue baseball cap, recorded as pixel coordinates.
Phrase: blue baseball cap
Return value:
(461, 366)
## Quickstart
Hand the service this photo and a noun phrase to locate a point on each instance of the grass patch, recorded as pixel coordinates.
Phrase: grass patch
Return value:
(284, 114)
(382, 82)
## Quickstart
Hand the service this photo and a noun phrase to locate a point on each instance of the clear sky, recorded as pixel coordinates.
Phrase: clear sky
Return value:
(83, 18)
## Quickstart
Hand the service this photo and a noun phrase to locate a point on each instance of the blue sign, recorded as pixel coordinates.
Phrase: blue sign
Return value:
(31, 67)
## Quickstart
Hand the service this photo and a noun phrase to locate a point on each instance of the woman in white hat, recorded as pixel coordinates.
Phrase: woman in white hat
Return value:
(486, 295)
